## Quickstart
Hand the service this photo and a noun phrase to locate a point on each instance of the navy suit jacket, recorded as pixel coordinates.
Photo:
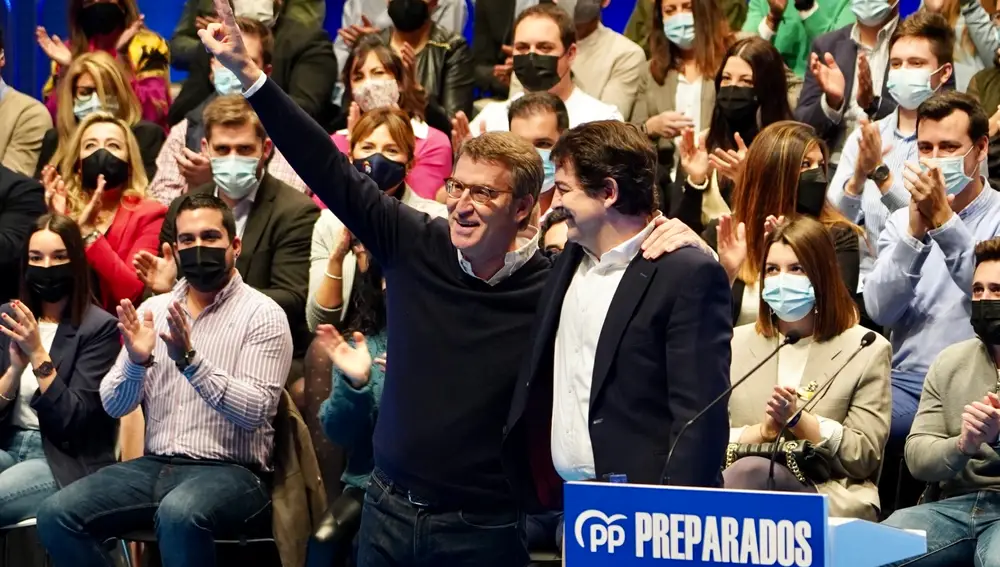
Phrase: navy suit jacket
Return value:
(845, 52)
(663, 355)
(78, 436)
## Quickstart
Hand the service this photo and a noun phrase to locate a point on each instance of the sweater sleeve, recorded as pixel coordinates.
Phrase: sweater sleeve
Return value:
(931, 454)
(379, 221)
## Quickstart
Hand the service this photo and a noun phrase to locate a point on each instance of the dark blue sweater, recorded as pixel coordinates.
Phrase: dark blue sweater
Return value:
(456, 343)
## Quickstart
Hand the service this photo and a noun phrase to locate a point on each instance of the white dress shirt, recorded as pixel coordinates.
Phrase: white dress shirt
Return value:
(580, 106)
(527, 245)
(584, 309)
(241, 212)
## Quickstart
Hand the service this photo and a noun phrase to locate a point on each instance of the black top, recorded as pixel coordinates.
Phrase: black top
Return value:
(22, 201)
(457, 341)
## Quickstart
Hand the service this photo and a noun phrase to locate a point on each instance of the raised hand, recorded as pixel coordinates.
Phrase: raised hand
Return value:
(729, 163)
(178, 337)
(409, 58)
(138, 334)
(461, 131)
(22, 330)
(224, 41)
(55, 190)
(870, 150)
(156, 273)
(88, 216)
(771, 223)
(351, 34)
(353, 117)
(126, 37)
(504, 72)
(202, 22)
(694, 157)
(354, 361)
(732, 245)
(53, 47)
(829, 77)
(195, 167)
(866, 92)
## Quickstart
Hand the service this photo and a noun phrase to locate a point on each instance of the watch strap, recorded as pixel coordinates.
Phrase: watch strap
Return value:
(44, 369)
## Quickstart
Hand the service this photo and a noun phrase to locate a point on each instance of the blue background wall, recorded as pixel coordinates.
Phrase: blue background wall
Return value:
(27, 66)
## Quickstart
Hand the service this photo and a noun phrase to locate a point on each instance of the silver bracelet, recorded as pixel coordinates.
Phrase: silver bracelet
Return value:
(333, 277)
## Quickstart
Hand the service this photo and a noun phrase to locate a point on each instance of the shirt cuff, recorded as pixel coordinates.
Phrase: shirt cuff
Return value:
(806, 13)
(835, 115)
(910, 254)
(831, 431)
(850, 205)
(735, 433)
(764, 31)
(133, 371)
(894, 201)
(255, 86)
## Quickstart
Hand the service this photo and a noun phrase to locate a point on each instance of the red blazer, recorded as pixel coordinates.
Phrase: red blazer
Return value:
(135, 228)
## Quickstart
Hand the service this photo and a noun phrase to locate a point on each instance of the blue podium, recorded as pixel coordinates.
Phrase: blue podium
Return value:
(627, 524)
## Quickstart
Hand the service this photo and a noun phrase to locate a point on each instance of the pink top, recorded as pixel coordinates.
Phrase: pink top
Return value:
(433, 158)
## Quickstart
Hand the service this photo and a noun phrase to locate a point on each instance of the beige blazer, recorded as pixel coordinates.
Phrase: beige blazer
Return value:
(23, 123)
(859, 398)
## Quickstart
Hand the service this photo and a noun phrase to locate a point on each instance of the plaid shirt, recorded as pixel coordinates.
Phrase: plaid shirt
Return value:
(168, 184)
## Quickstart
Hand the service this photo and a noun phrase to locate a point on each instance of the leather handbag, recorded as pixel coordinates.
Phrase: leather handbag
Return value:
(807, 462)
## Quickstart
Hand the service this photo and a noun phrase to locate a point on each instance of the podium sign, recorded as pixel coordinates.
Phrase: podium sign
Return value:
(626, 524)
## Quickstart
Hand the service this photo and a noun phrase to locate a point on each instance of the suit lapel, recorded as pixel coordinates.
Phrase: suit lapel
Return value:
(824, 359)
(257, 221)
(848, 53)
(63, 347)
(763, 381)
(623, 306)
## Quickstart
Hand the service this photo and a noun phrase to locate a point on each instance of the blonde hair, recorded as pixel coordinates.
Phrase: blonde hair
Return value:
(110, 81)
(70, 168)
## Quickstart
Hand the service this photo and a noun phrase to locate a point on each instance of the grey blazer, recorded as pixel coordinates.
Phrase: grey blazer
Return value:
(859, 399)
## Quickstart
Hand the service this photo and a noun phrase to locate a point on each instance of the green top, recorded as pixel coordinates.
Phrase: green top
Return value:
(795, 35)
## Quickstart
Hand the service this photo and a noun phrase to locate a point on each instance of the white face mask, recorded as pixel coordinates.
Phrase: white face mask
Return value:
(259, 10)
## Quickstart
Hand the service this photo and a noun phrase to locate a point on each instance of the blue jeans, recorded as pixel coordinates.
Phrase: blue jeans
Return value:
(188, 503)
(959, 530)
(25, 477)
(396, 531)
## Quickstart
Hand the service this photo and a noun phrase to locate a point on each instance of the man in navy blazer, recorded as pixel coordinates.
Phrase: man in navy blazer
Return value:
(845, 83)
(625, 349)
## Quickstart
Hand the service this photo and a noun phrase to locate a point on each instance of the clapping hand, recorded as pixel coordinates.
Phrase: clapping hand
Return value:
(159, 274)
(461, 130)
(53, 47)
(126, 37)
(23, 334)
(178, 339)
(55, 190)
(503, 72)
(866, 92)
(138, 333)
(783, 404)
(694, 157)
(729, 163)
(830, 79)
(669, 124)
(870, 150)
(980, 424)
(88, 216)
(351, 34)
(771, 223)
(928, 194)
(732, 245)
(354, 361)
(195, 167)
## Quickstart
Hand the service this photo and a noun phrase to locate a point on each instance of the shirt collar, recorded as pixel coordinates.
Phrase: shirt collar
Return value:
(527, 245)
(985, 199)
(245, 201)
(882, 36)
(892, 125)
(3, 88)
(235, 283)
(621, 255)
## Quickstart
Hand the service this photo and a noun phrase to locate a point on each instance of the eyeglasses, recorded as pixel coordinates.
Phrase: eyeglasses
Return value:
(479, 193)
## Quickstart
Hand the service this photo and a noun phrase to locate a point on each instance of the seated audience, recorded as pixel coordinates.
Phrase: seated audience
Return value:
(23, 123)
(919, 286)
(207, 361)
(608, 66)
(382, 147)
(554, 233)
(115, 27)
(679, 88)
(769, 189)
(303, 64)
(95, 82)
(181, 165)
(849, 423)
(377, 78)
(953, 442)
(544, 50)
(439, 59)
(792, 26)
(273, 221)
(640, 25)
(22, 201)
(197, 14)
(847, 71)
(710, 160)
(55, 348)
(540, 119)
(102, 185)
(868, 185)
(976, 40)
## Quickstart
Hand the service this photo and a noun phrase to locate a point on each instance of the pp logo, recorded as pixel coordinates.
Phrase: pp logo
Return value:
(601, 534)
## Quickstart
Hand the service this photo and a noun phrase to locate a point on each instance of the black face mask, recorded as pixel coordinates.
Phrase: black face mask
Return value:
(101, 18)
(986, 320)
(204, 267)
(738, 104)
(103, 162)
(52, 284)
(383, 171)
(538, 73)
(812, 192)
(408, 15)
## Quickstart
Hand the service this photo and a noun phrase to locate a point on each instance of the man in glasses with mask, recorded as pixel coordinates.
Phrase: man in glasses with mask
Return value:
(920, 284)
(207, 363)
(544, 50)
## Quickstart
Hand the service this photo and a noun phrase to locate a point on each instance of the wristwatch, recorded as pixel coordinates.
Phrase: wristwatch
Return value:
(44, 369)
(880, 174)
(91, 238)
(186, 360)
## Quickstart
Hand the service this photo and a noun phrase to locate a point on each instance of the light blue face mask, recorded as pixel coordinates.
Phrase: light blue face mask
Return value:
(910, 87)
(679, 30)
(226, 82)
(953, 171)
(236, 176)
(549, 167)
(83, 107)
(790, 296)
(871, 12)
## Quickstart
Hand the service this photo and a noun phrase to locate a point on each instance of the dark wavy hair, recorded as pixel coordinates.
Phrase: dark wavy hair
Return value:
(412, 98)
(366, 307)
(82, 296)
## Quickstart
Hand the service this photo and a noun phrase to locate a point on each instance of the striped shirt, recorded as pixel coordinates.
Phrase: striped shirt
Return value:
(872, 208)
(223, 404)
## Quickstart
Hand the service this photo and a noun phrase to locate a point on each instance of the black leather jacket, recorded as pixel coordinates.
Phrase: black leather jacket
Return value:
(444, 68)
